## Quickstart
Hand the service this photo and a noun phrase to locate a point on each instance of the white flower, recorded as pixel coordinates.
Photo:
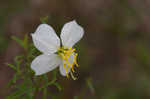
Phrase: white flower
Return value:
(54, 53)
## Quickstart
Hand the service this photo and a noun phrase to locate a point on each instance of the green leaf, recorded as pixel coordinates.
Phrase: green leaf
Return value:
(58, 86)
(18, 60)
(90, 85)
(22, 43)
(44, 19)
(25, 41)
(54, 75)
(48, 83)
(19, 41)
(15, 95)
(143, 53)
(19, 92)
(45, 78)
(14, 78)
(45, 93)
(12, 66)
(75, 97)
(22, 90)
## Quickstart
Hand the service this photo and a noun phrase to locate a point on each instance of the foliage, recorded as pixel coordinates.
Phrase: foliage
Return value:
(24, 84)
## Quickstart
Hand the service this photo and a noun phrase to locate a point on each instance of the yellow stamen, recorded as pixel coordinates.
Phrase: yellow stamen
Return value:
(75, 60)
(66, 71)
(66, 53)
(74, 78)
(73, 69)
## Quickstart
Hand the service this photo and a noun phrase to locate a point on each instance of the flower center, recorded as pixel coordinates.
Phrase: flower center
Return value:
(70, 59)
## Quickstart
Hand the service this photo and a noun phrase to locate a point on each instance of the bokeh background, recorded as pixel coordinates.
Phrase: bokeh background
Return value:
(114, 52)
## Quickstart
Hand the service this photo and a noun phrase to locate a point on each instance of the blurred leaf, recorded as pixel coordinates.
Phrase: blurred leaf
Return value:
(4, 42)
(143, 53)
(18, 93)
(90, 85)
(17, 58)
(13, 80)
(45, 93)
(19, 41)
(22, 43)
(44, 19)
(18, 61)
(48, 83)
(45, 78)
(24, 90)
(25, 41)
(75, 97)
(15, 95)
(58, 86)
(12, 66)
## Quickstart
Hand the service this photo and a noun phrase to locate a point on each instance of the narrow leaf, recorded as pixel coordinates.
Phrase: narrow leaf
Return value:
(58, 86)
(12, 66)
(19, 41)
(44, 19)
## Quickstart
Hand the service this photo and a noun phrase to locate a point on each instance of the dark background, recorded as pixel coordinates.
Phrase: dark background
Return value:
(114, 52)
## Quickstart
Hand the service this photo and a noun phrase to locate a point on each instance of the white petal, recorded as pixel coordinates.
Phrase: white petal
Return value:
(62, 68)
(45, 63)
(71, 33)
(45, 39)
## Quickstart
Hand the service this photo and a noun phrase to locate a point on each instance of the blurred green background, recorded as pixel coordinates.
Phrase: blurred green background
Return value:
(113, 54)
